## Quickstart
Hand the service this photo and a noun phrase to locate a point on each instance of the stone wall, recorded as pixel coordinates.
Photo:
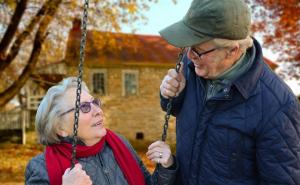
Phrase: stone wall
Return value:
(134, 114)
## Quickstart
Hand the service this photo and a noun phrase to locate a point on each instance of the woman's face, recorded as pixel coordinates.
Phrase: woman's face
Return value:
(90, 124)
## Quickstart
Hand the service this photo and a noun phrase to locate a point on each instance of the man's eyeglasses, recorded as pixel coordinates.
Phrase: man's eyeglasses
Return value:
(200, 55)
(85, 107)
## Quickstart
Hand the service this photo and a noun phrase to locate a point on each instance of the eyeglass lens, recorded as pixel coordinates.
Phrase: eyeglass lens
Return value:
(86, 107)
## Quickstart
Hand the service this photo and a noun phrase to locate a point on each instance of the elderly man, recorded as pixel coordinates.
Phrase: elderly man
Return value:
(237, 122)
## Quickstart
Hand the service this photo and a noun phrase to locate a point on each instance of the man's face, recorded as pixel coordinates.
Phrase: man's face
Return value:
(213, 63)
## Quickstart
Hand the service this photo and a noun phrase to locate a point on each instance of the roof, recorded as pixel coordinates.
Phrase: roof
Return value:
(46, 80)
(120, 48)
(115, 49)
(270, 63)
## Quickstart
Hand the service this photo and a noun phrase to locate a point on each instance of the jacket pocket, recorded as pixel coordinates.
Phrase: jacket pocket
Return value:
(230, 145)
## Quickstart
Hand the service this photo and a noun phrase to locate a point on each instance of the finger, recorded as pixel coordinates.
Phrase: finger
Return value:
(171, 86)
(168, 93)
(156, 160)
(172, 73)
(155, 144)
(163, 153)
(171, 81)
(156, 148)
(152, 156)
(153, 153)
(174, 81)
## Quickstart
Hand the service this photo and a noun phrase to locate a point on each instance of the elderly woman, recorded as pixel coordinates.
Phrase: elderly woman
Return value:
(103, 157)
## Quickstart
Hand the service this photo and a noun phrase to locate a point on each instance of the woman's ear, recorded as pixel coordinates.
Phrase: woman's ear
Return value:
(61, 131)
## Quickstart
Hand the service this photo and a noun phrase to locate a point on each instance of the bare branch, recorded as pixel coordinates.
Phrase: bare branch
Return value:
(20, 39)
(41, 34)
(12, 28)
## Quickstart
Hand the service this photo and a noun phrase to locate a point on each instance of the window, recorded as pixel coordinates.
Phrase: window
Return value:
(139, 135)
(99, 82)
(130, 82)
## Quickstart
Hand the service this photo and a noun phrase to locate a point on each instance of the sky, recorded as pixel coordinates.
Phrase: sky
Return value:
(165, 13)
(162, 14)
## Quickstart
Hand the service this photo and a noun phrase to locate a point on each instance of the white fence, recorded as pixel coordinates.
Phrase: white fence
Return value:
(15, 119)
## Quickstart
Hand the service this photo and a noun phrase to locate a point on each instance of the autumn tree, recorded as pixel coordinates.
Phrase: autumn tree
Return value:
(29, 28)
(278, 22)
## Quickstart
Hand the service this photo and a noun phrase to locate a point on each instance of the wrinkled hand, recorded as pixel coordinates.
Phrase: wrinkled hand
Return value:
(160, 152)
(76, 176)
(173, 83)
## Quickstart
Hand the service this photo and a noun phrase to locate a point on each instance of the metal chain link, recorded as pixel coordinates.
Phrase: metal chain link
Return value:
(79, 80)
(169, 105)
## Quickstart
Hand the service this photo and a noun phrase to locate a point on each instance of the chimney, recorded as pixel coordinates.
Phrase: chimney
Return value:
(76, 24)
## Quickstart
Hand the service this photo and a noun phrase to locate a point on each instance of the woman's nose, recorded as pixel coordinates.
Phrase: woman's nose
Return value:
(97, 110)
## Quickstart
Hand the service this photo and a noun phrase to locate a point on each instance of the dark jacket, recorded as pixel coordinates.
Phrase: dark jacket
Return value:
(102, 169)
(249, 134)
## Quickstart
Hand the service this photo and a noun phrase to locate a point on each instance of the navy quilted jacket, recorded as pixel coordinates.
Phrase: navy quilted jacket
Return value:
(247, 135)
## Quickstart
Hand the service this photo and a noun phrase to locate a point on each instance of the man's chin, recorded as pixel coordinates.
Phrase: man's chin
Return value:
(202, 74)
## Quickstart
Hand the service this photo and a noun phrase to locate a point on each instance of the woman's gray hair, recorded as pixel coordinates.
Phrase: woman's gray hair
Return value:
(47, 119)
(244, 43)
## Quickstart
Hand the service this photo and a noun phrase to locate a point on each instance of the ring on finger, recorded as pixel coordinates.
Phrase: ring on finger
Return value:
(160, 154)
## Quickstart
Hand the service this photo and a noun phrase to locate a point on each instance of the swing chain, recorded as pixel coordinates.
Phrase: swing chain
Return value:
(79, 80)
(169, 105)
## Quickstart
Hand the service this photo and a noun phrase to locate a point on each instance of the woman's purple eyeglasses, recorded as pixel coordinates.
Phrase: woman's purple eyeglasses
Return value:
(85, 107)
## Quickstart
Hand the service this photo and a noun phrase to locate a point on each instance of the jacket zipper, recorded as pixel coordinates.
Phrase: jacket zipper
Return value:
(105, 171)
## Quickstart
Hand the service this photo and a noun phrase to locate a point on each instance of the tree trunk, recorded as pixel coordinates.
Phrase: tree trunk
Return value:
(12, 28)
(20, 39)
(41, 34)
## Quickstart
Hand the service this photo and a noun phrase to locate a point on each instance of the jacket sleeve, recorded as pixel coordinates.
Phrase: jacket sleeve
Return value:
(36, 173)
(176, 103)
(166, 176)
(278, 148)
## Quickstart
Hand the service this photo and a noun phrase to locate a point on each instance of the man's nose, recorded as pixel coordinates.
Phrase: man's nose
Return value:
(191, 55)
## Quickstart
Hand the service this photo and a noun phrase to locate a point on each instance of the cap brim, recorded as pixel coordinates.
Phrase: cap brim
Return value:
(180, 35)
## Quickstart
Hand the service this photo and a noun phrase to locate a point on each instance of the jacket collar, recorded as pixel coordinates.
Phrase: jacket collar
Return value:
(247, 83)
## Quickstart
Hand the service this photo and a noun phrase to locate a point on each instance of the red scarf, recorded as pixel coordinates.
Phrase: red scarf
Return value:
(58, 158)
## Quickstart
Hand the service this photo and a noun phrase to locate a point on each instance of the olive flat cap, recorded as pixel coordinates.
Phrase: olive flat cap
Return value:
(208, 19)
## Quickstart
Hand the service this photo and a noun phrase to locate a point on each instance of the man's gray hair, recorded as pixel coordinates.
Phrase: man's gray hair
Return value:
(244, 43)
(47, 119)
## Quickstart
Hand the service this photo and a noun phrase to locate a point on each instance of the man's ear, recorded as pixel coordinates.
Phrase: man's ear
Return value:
(232, 52)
